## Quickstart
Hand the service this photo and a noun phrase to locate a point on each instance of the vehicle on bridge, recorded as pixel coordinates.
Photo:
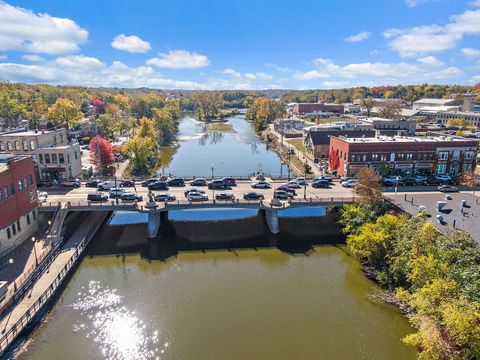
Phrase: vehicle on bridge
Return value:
(262, 184)
(149, 181)
(193, 190)
(198, 182)
(197, 197)
(300, 181)
(97, 197)
(115, 193)
(107, 185)
(71, 183)
(349, 183)
(129, 196)
(282, 195)
(292, 185)
(158, 185)
(225, 197)
(253, 196)
(93, 183)
(218, 185)
(321, 184)
(230, 181)
(165, 197)
(176, 182)
(287, 189)
(127, 183)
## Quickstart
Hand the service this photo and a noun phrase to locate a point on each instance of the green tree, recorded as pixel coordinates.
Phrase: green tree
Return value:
(263, 111)
(64, 112)
(140, 150)
(10, 109)
(164, 124)
(368, 104)
(390, 110)
(207, 104)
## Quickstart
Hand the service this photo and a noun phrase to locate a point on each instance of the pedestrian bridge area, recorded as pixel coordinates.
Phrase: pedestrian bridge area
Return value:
(148, 207)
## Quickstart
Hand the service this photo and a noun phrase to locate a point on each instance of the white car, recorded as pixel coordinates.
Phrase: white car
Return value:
(262, 184)
(444, 178)
(419, 179)
(115, 193)
(349, 183)
(106, 185)
(42, 196)
(300, 181)
(197, 197)
(292, 185)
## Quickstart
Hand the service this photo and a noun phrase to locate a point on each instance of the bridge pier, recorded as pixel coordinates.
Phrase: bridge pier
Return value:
(154, 221)
(271, 217)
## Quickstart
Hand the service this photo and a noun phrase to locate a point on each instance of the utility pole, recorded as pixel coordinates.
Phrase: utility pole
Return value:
(305, 178)
(288, 164)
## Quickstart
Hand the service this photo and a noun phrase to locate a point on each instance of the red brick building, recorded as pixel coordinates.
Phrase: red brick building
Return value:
(405, 155)
(308, 108)
(18, 200)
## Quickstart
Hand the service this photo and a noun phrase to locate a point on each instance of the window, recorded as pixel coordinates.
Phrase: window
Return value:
(443, 155)
(409, 157)
(364, 157)
(392, 157)
(9, 146)
(353, 158)
(5, 192)
(441, 169)
(456, 155)
(2, 146)
(383, 157)
(469, 155)
(20, 185)
(374, 157)
(68, 157)
(32, 145)
(28, 219)
(1, 196)
(17, 145)
(54, 159)
(76, 156)
(25, 145)
(18, 226)
(9, 233)
(30, 180)
(34, 215)
(14, 229)
(61, 158)
(40, 158)
(12, 190)
(47, 158)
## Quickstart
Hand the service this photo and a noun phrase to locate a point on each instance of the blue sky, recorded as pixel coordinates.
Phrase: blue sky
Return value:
(240, 44)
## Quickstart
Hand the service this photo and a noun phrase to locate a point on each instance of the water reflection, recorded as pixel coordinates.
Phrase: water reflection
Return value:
(117, 330)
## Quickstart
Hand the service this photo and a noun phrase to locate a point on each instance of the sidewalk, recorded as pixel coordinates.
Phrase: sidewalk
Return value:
(121, 169)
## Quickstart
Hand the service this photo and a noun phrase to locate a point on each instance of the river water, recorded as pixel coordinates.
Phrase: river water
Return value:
(219, 304)
(238, 153)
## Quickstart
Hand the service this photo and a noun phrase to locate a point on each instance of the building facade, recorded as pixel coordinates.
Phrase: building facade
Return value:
(55, 159)
(403, 155)
(18, 201)
(470, 116)
(320, 107)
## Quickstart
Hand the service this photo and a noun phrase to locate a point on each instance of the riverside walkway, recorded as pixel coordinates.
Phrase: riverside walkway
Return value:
(15, 320)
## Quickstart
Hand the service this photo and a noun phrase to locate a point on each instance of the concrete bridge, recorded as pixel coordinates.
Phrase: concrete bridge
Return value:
(155, 209)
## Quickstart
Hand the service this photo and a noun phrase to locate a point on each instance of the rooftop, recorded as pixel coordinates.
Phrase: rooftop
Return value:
(378, 119)
(26, 133)
(434, 101)
(405, 139)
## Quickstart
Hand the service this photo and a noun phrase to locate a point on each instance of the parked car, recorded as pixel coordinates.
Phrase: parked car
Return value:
(392, 180)
(292, 185)
(444, 178)
(42, 196)
(253, 196)
(408, 181)
(93, 183)
(106, 185)
(72, 183)
(262, 184)
(225, 197)
(158, 185)
(230, 181)
(130, 196)
(43, 183)
(447, 188)
(193, 190)
(438, 180)
(217, 185)
(165, 197)
(115, 193)
(198, 182)
(177, 182)
(323, 177)
(127, 183)
(197, 197)
(97, 196)
(420, 179)
(149, 181)
(321, 184)
(349, 183)
(287, 189)
(282, 194)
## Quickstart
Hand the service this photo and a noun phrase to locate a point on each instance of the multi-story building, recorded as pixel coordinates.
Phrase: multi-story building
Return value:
(403, 155)
(18, 200)
(470, 116)
(434, 104)
(391, 126)
(55, 159)
(316, 108)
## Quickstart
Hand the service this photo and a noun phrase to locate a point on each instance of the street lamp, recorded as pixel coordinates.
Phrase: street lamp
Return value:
(10, 261)
(305, 178)
(212, 171)
(288, 164)
(35, 250)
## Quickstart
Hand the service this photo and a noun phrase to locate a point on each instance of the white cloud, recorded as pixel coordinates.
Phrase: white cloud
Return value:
(131, 44)
(179, 59)
(361, 36)
(3, 57)
(418, 40)
(413, 3)
(32, 58)
(232, 73)
(335, 84)
(23, 30)
(89, 71)
(475, 3)
(283, 69)
(430, 60)
(401, 72)
(471, 53)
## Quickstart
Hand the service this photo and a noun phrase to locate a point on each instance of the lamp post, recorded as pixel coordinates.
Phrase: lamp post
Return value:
(212, 171)
(11, 261)
(35, 250)
(288, 164)
(305, 178)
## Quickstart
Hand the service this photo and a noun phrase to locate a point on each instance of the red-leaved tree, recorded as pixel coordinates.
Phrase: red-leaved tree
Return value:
(99, 106)
(101, 154)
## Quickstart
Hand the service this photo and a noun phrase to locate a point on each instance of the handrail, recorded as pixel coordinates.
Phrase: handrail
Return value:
(10, 335)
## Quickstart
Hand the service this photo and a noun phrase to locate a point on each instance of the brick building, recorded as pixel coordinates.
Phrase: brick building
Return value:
(403, 155)
(18, 200)
(320, 107)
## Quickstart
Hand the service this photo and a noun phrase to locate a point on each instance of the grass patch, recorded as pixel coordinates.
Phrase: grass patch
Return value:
(298, 143)
(220, 127)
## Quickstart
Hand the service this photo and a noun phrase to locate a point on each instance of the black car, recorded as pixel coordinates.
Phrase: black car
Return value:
(164, 197)
(158, 185)
(96, 196)
(218, 185)
(321, 184)
(149, 181)
(225, 197)
(253, 196)
(198, 182)
(128, 196)
(92, 183)
(176, 182)
(408, 181)
(287, 189)
(127, 183)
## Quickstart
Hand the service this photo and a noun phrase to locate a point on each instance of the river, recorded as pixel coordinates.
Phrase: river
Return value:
(238, 153)
(218, 304)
